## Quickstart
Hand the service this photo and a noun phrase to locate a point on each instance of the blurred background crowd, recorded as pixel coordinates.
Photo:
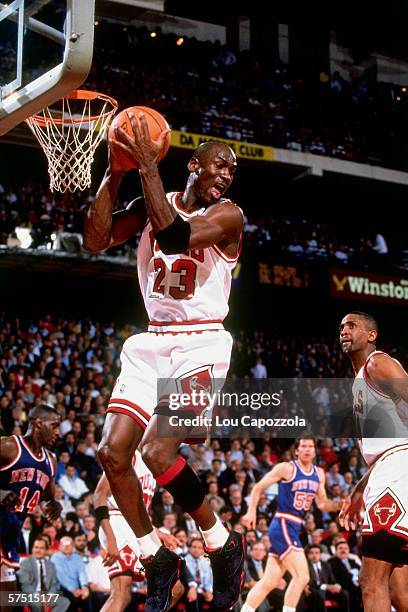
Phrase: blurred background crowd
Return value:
(71, 364)
(31, 216)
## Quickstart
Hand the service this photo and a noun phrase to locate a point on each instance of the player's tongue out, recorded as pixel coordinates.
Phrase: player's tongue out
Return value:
(215, 192)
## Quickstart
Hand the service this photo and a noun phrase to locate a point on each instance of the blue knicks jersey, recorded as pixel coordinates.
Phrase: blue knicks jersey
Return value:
(295, 496)
(27, 475)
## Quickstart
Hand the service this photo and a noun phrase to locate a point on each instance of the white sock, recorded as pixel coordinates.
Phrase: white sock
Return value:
(149, 544)
(288, 609)
(247, 608)
(216, 536)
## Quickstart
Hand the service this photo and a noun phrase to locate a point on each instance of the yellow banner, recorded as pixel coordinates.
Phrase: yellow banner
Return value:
(247, 150)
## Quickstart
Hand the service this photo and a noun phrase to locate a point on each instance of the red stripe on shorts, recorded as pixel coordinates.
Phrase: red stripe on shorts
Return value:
(115, 409)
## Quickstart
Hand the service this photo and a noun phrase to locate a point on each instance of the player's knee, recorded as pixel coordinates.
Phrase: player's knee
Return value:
(271, 579)
(156, 456)
(113, 461)
(303, 579)
(122, 600)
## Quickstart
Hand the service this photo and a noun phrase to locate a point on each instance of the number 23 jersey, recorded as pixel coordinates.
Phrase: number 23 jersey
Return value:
(193, 286)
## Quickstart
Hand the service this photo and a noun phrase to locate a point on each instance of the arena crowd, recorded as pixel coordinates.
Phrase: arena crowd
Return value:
(56, 220)
(71, 364)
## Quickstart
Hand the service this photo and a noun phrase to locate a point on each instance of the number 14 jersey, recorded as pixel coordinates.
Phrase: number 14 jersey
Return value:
(191, 287)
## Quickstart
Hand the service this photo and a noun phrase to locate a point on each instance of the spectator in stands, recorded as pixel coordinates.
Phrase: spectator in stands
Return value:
(200, 569)
(37, 574)
(165, 506)
(71, 484)
(71, 575)
(322, 587)
(259, 370)
(333, 477)
(64, 500)
(346, 569)
(99, 582)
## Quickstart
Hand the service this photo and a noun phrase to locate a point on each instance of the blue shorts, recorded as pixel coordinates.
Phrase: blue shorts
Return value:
(284, 536)
(10, 535)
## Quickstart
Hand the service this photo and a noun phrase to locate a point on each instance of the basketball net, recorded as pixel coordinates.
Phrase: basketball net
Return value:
(69, 133)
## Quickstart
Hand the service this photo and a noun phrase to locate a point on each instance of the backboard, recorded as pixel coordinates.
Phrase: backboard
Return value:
(46, 49)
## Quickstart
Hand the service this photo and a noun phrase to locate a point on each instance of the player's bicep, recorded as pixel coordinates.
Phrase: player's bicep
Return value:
(389, 375)
(219, 223)
(280, 472)
(8, 450)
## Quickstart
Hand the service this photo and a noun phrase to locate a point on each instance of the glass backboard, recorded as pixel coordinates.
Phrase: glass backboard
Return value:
(46, 51)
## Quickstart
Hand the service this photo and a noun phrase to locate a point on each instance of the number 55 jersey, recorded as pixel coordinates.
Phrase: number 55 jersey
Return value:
(295, 498)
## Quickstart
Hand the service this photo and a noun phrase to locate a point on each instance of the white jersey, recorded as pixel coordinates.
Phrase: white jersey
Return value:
(377, 412)
(146, 480)
(188, 289)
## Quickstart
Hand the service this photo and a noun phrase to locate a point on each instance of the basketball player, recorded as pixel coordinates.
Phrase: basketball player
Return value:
(300, 482)
(186, 254)
(27, 470)
(380, 393)
(122, 549)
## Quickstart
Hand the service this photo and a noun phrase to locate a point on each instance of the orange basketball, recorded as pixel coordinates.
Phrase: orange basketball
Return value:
(156, 123)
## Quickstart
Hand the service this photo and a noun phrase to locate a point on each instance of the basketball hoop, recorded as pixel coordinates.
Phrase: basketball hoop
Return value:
(69, 133)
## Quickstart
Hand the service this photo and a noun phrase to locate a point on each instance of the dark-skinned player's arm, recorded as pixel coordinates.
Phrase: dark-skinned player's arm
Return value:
(100, 498)
(50, 507)
(322, 501)
(389, 376)
(105, 228)
(221, 222)
(8, 452)
(281, 471)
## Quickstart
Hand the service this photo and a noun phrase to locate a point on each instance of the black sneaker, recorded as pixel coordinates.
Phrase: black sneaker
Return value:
(228, 571)
(162, 573)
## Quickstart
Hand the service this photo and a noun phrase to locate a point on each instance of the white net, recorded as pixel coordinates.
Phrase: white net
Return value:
(69, 133)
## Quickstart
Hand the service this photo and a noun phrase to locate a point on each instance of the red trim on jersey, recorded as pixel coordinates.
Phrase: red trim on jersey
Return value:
(126, 402)
(172, 472)
(31, 452)
(193, 322)
(13, 461)
(177, 196)
(129, 413)
(226, 257)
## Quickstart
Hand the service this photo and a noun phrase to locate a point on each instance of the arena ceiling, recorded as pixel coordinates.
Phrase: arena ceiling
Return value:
(363, 26)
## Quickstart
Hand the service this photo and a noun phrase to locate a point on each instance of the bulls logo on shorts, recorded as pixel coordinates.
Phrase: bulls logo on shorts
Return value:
(198, 384)
(385, 512)
(128, 557)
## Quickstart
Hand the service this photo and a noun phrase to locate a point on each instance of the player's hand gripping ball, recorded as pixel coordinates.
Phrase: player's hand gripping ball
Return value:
(156, 123)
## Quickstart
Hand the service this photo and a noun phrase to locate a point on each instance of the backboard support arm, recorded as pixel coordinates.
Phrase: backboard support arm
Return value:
(61, 79)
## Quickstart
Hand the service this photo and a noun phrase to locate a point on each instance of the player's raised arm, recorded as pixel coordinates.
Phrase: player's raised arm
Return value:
(222, 222)
(281, 471)
(100, 498)
(389, 375)
(322, 501)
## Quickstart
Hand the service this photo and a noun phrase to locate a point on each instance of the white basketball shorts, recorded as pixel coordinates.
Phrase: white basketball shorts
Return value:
(385, 528)
(129, 551)
(194, 360)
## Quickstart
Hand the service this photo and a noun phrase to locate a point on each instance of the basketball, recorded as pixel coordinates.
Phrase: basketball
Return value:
(156, 123)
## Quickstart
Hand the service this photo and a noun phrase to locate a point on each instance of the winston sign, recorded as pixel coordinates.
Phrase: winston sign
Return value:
(368, 286)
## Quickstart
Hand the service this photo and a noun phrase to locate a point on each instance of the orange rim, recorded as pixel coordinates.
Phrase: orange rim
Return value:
(79, 94)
